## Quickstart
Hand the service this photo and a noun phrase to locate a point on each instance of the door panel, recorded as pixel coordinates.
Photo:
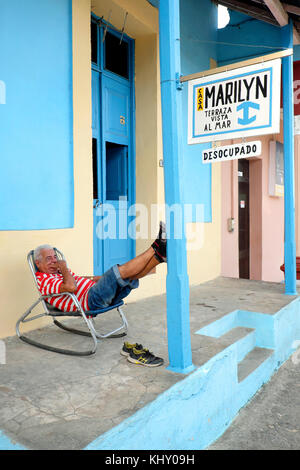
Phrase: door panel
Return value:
(244, 235)
(116, 100)
(96, 104)
(116, 172)
(113, 154)
(117, 246)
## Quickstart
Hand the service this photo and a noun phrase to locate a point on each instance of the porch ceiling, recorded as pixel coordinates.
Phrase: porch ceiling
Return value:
(274, 12)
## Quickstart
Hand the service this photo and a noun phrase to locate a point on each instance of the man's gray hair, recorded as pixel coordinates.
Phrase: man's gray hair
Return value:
(39, 249)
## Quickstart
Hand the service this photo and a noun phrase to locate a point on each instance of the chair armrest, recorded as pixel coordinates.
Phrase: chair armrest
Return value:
(73, 296)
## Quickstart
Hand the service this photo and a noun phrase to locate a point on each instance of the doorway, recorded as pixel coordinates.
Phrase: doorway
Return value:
(113, 145)
(244, 225)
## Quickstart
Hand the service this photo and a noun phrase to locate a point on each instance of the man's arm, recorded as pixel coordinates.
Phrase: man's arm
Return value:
(93, 278)
(69, 283)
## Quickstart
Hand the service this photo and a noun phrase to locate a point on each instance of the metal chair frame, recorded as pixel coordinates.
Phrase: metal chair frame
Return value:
(88, 317)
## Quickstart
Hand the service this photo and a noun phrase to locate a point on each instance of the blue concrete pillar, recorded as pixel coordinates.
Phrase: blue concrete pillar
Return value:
(289, 182)
(179, 340)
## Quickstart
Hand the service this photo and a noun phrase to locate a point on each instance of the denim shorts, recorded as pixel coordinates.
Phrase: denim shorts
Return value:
(110, 289)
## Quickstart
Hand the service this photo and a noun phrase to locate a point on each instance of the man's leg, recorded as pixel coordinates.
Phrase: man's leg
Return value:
(119, 280)
(139, 266)
(152, 264)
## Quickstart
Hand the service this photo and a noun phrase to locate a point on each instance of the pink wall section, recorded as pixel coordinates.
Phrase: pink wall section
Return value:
(229, 240)
(272, 224)
(256, 195)
(266, 217)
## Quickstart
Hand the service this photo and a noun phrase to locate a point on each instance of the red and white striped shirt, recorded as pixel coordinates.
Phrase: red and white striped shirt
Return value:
(50, 284)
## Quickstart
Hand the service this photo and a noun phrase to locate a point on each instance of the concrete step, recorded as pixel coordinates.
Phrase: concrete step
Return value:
(252, 361)
(205, 347)
(243, 337)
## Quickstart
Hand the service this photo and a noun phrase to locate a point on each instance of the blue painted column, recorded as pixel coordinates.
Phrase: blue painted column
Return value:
(178, 322)
(289, 181)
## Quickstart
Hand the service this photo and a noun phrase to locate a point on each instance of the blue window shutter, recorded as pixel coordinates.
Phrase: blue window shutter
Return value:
(36, 121)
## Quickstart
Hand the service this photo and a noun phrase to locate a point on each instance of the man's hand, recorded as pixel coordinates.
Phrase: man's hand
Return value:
(69, 283)
(62, 265)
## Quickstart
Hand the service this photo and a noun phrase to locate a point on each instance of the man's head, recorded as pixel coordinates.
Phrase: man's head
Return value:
(45, 259)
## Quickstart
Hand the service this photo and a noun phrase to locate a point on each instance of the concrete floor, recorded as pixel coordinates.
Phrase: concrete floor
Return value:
(50, 401)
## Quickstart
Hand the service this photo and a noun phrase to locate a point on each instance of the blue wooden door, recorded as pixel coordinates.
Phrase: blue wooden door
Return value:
(117, 244)
(113, 159)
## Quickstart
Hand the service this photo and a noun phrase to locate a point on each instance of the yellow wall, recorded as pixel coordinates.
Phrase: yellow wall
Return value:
(17, 288)
(77, 243)
(205, 264)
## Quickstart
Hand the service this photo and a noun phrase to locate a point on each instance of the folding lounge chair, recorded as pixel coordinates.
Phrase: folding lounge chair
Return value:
(87, 316)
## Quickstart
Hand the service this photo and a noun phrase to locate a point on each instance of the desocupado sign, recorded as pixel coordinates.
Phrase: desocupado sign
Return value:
(232, 152)
(239, 103)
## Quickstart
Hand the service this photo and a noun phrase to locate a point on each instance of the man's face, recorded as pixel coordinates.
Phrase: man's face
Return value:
(47, 262)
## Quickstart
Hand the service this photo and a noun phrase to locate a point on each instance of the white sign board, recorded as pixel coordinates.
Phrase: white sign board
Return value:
(232, 152)
(239, 103)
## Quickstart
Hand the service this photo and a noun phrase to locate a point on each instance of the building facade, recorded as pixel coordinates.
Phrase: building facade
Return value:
(82, 154)
(68, 119)
(254, 249)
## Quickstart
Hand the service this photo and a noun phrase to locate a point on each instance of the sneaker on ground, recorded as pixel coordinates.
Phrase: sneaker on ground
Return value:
(127, 347)
(145, 358)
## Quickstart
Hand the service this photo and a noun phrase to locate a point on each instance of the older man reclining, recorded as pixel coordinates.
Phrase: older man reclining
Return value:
(95, 292)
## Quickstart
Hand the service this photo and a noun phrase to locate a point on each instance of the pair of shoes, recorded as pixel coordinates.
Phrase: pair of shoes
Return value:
(145, 358)
(138, 355)
(128, 347)
(160, 244)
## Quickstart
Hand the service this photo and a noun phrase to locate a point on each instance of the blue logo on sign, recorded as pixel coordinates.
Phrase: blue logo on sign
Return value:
(245, 107)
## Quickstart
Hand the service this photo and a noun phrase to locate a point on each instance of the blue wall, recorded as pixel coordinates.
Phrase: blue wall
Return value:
(36, 129)
(244, 38)
(198, 36)
(198, 31)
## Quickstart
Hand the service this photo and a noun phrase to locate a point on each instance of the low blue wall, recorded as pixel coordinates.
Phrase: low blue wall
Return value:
(204, 404)
(8, 444)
